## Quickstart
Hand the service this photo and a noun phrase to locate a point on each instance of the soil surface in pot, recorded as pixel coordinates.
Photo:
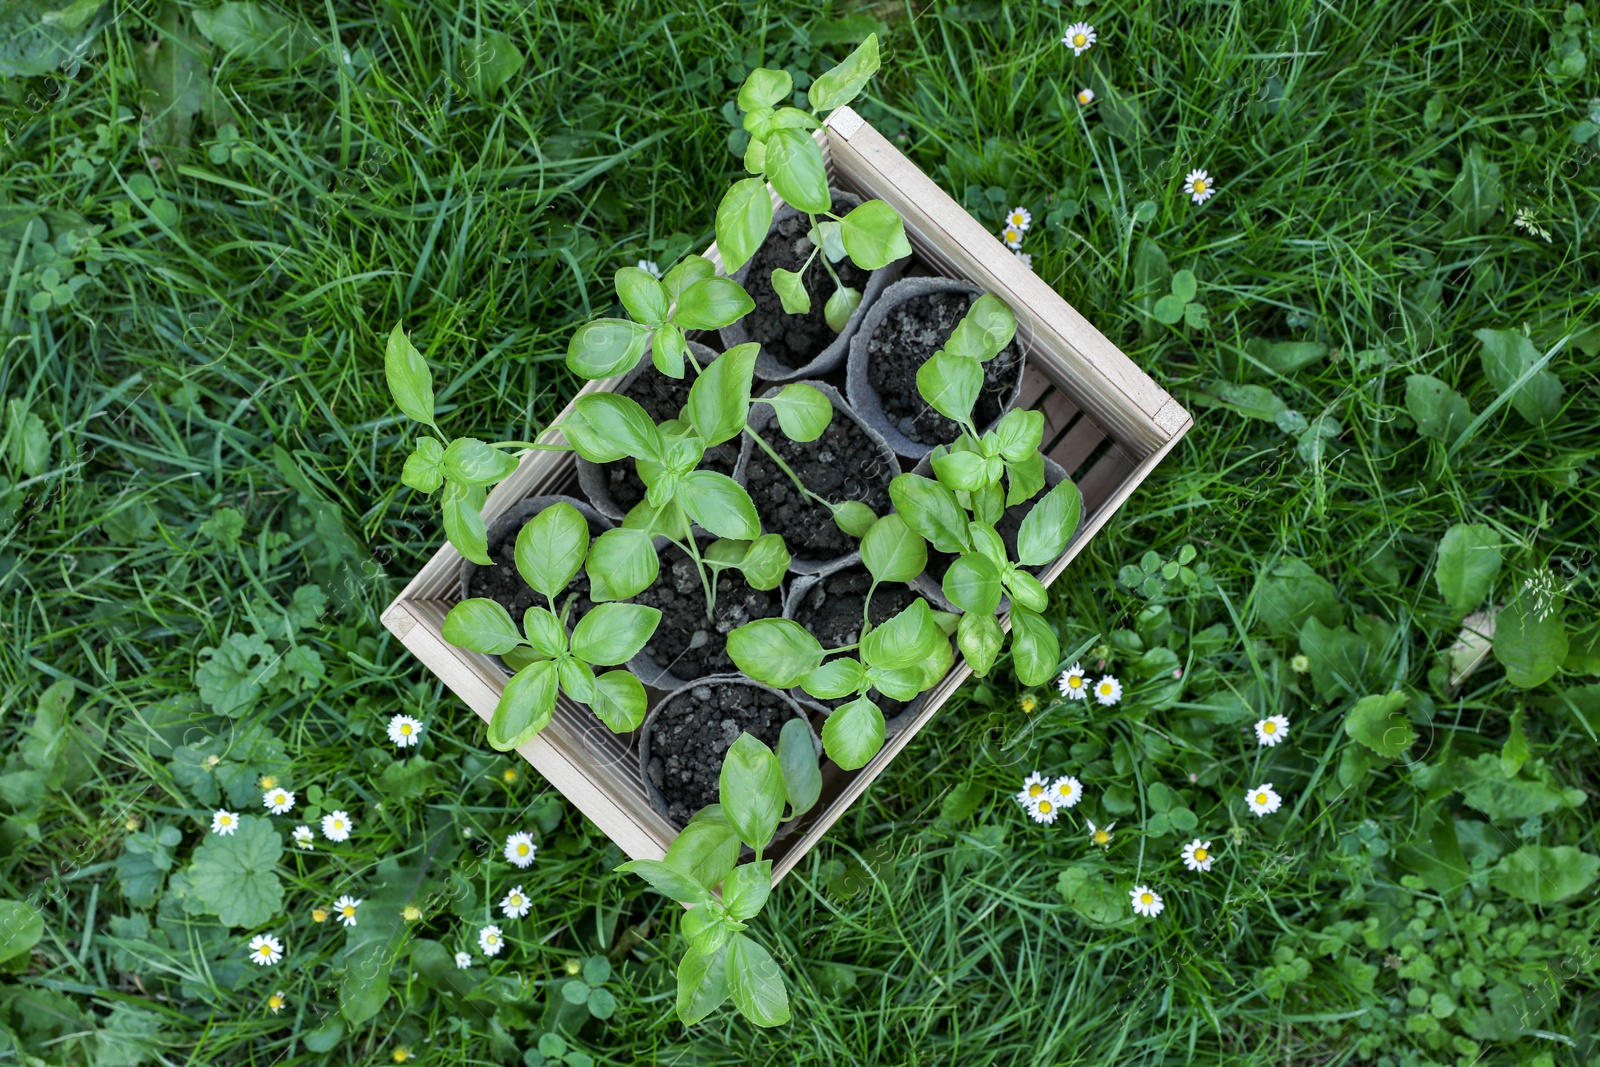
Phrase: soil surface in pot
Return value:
(843, 464)
(501, 583)
(693, 733)
(904, 341)
(794, 340)
(686, 642)
(831, 610)
(663, 398)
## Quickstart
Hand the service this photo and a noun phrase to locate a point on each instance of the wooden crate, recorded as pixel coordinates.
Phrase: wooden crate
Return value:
(1106, 422)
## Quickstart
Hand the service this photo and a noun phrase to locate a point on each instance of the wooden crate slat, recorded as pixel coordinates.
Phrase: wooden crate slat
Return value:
(1074, 448)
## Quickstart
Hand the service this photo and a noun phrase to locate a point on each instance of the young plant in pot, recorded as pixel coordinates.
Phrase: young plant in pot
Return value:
(825, 250)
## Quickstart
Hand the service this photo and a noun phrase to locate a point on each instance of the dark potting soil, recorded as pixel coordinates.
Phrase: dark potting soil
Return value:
(843, 464)
(693, 733)
(794, 340)
(906, 338)
(831, 610)
(501, 583)
(686, 642)
(662, 398)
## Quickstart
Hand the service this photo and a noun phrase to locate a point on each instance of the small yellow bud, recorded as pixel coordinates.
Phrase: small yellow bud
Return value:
(319, 915)
(411, 913)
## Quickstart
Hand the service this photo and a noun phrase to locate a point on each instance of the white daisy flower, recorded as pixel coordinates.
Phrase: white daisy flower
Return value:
(1101, 835)
(1033, 787)
(224, 822)
(345, 907)
(1197, 855)
(1019, 217)
(1012, 236)
(516, 904)
(1199, 186)
(651, 267)
(1146, 901)
(304, 837)
(1271, 730)
(1085, 96)
(1073, 685)
(276, 1002)
(1108, 690)
(1262, 800)
(491, 941)
(1044, 810)
(278, 801)
(520, 849)
(266, 949)
(1025, 258)
(1079, 37)
(463, 960)
(405, 731)
(1066, 791)
(336, 826)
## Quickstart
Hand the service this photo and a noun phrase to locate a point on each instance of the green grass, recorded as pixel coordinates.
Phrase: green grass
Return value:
(238, 337)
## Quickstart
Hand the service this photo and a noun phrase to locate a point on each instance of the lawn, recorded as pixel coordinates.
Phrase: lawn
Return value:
(211, 220)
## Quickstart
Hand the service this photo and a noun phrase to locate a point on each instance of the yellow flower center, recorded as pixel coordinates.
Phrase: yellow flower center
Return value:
(516, 901)
(1199, 185)
(1261, 798)
(265, 950)
(1035, 789)
(1045, 807)
(225, 820)
(338, 824)
(1074, 682)
(1106, 689)
(1200, 855)
(401, 1055)
(509, 775)
(1270, 728)
(1027, 704)
(274, 1002)
(406, 729)
(1083, 98)
(1146, 898)
(349, 911)
(1079, 39)
(319, 915)
(522, 850)
(1101, 837)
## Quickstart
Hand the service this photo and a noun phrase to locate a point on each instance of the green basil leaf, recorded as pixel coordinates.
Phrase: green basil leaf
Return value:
(613, 633)
(719, 504)
(1035, 652)
(1026, 479)
(481, 625)
(743, 218)
(854, 733)
(473, 462)
(424, 469)
(988, 503)
(874, 235)
(840, 306)
(790, 285)
(712, 304)
(619, 700)
(950, 384)
(965, 472)
(645, 298)
(778, 652)
(668, 347)
(551, 547)
(1019, 433)
(842, 84)
(545, 632)
(669, 880)
(751, 791)
(462, 509)
(803, 412)
(755, 982)
(747, 888)
(903, 683)
(980, 638)
(834, 679)
(764, 87)
(802, 777)
(829, 237)
(719, 399)
(1025, 589)
(854, 517)
(606, 426)
(931, 510)
(988, 543)
(576, 678)
(765, 562)
(755, 156)
(706, 850)
(797, 171)
(622, 563)
(606, 348)
(893, 551)
(702, 983)
(689, 270)
(526, 705)
(410, 380)
(757, 122)
(905, 639)
(973, 584)
(1049, 525)
(794, 118)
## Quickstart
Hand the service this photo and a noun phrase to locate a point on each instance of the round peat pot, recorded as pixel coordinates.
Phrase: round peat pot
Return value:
(615, 488)
(801, 346)
(829, 605)
(929, 582)
(688, 733)
(500, 581)
(687, 646)
(909, 323)
(848, 462)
